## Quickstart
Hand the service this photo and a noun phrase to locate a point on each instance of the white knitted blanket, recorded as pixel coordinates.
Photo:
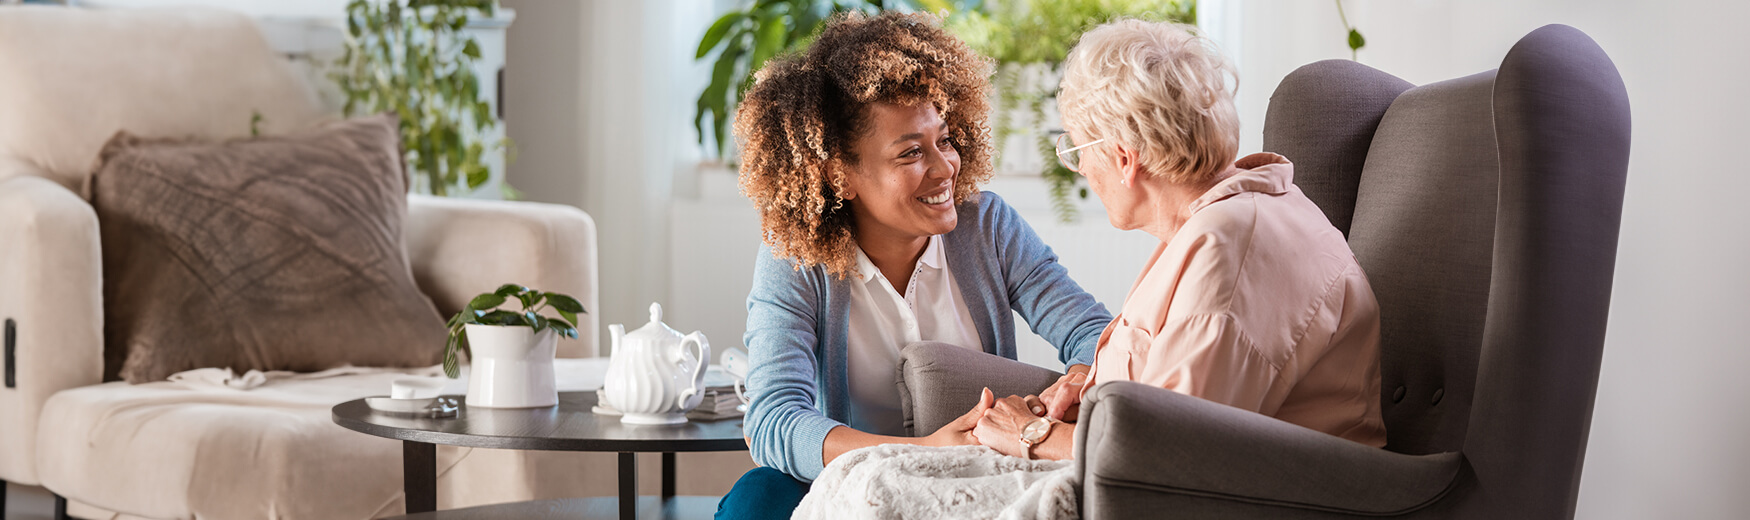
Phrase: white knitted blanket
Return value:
(900, 481)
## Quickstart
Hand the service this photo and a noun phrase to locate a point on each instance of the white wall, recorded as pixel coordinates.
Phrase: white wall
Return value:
(1671, 420)
(599, 100)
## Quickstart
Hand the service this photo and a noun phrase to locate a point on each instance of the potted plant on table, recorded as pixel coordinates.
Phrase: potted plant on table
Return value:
(511, 351)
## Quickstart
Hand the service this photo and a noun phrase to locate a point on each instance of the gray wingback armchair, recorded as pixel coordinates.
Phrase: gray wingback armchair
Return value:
(1485, 210)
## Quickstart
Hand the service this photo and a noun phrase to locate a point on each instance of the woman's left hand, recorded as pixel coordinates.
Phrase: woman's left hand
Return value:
(1002, 423)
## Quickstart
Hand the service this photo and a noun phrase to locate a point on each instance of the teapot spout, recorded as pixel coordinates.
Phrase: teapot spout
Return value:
(615, 332)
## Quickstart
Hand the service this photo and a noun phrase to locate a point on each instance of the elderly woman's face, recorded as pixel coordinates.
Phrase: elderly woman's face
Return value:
(1102, 166)
(903, 186)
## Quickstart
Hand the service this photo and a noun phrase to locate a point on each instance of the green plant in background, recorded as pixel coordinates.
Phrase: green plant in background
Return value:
(750, 36)
(413, 58)
(1356, 42)
(483, 310)
(1031, 35)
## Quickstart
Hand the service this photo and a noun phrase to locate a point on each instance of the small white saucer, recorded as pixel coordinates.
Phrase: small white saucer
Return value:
(389, 404)
(416, 387)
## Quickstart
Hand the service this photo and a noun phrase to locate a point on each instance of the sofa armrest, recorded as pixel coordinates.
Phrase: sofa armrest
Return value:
(459, 248)
(1154, 441)
(51, 294)
(939, 382)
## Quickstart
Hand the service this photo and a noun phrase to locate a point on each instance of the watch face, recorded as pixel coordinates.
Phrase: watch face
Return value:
(1036, 430)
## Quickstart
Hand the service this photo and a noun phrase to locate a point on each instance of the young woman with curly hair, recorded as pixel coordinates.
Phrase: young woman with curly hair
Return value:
(863, 155)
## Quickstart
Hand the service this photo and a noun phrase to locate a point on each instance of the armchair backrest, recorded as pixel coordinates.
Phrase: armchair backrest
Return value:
(1485, 211)
(1410, 176)
(74, 76)
(1425, 227)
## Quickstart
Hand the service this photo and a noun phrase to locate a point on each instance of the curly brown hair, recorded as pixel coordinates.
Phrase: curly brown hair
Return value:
(800, 120)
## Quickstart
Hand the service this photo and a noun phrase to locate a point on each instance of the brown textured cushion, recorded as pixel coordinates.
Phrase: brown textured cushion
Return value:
(273, 254)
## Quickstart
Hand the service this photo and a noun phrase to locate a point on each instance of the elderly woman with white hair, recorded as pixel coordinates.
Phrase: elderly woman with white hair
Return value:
(1252, 299)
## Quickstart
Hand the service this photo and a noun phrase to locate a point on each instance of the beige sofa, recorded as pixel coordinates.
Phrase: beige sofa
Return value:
(72, 78)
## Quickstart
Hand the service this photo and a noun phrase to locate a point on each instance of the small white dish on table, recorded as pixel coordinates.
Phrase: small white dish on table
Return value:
(393, 405)
(409, 395)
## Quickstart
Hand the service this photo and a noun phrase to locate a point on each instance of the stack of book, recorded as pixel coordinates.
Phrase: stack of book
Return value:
(719, 403)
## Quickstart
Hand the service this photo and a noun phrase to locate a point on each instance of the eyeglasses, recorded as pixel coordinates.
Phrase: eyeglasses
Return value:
(1072, 158)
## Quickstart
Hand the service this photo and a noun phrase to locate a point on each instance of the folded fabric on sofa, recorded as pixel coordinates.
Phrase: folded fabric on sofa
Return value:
(227, 379)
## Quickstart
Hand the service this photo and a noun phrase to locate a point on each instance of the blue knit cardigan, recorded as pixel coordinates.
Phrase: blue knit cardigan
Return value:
(796, 327)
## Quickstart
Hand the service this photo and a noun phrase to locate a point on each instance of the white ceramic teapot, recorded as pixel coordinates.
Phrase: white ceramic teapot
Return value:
(654, 378)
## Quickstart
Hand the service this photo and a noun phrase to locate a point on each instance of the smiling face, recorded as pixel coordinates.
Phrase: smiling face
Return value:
(902, 185)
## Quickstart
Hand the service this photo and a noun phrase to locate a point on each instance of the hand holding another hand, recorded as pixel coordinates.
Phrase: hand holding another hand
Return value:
(1063, 399)
(1001, 426)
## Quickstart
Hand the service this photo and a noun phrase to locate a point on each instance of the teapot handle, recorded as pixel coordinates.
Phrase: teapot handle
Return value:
(704, 362)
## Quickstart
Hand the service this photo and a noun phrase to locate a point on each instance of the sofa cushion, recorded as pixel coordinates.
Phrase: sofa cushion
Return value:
(183, 450)
(272, 254)
(163, 450)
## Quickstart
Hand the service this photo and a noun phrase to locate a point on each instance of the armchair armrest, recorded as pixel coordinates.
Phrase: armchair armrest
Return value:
(459, 248)
(51, 301)
(939, 382)
(1135, 440)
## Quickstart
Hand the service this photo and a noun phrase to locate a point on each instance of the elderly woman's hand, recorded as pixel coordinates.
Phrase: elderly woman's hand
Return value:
(1063, 399)
(1002, 423)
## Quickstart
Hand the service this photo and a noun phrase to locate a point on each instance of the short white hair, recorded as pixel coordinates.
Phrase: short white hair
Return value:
(1157, 88)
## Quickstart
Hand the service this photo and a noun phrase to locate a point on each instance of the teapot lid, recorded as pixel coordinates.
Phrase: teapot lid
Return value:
(655, 331)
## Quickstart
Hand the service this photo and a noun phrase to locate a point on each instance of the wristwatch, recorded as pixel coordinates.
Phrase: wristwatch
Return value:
(1033, 434)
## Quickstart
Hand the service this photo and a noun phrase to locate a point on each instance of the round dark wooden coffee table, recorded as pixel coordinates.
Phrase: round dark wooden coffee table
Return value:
(569, 426)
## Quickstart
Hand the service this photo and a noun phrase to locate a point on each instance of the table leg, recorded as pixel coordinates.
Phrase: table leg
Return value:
(419, 475)
(628, 486)
(667, 475)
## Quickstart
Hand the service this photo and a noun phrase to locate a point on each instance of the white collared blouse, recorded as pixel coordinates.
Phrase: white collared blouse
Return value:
(883, 319)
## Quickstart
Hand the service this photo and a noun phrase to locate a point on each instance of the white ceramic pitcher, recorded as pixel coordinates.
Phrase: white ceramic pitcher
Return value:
(654, 376)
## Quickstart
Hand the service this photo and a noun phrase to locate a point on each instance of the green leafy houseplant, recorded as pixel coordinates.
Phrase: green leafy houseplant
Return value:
(483, 310)
(412, 57)
(764, 29)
